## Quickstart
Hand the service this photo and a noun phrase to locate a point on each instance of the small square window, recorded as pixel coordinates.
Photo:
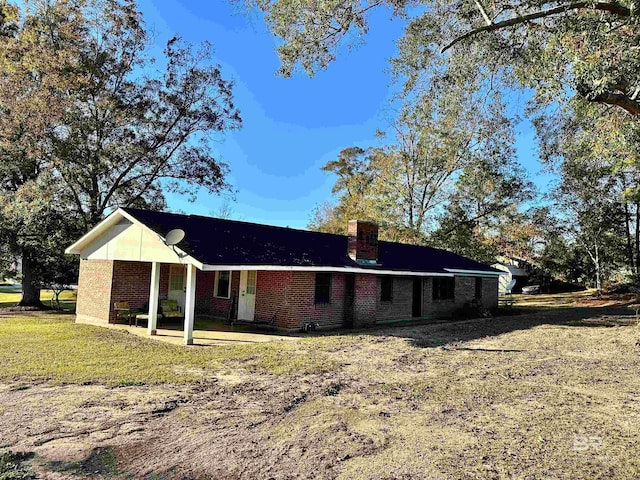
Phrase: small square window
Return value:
(444, 288)
(323, 287)
(386, 289)
(222, 287)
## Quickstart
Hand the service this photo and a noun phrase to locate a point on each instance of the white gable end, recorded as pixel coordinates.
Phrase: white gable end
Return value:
(130, 242)
(124, 238)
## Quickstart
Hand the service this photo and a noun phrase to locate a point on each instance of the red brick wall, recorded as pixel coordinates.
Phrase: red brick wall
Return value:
(302, 298)
(220, 306)
(365, 301)
(131, 283)
(438, 308)
(286, 296)
(363, 240)
(103, 282)
(401, 305)
(164, 280)
(272, 298)
(464, 294)
(289, 297)
(204, 292)
(206, 302)
(490, 293)
(94, 290)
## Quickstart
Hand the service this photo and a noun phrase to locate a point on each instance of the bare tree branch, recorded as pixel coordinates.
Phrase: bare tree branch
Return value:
(614, 8)
(618, 99)
(483, 12)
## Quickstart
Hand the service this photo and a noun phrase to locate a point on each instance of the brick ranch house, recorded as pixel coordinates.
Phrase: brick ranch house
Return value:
(289, 278)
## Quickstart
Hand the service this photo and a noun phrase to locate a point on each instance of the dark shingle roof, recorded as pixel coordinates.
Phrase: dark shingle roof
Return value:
(216, 241)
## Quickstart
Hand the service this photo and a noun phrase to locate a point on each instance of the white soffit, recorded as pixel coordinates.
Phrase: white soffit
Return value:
(475, 273)
(286, 268)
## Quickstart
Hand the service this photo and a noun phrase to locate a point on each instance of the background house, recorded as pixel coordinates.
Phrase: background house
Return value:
(514, 269)
(257, 272)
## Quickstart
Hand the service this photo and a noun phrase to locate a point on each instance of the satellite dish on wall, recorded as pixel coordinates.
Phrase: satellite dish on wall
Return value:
(174, 237)
(510, 285)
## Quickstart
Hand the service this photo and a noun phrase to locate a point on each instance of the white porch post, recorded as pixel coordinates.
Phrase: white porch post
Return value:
(189, 305)
(154, 293)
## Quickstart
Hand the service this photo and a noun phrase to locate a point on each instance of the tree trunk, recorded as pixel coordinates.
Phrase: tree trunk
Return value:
(627, 231)
(637, 245)
(597, 265)
(30, 290)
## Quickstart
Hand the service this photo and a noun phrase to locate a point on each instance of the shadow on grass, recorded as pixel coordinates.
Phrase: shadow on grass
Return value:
(16, 466)
(12, 307)
(429, 335)
(437, 333)
(101, 461)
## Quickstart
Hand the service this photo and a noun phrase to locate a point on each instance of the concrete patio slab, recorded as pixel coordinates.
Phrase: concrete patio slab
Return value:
(206, 337)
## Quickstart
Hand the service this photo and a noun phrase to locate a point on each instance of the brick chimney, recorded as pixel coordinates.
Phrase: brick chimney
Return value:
(363, 241)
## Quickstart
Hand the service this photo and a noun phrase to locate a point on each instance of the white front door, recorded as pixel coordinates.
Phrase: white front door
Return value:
(247, 300)
(177, 284)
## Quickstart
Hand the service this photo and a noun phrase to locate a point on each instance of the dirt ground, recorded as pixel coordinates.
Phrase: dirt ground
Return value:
(547, 394)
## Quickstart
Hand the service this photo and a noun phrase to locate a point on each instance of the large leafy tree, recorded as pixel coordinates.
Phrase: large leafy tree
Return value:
(596, 154)
(596, 225)
(128, 129)
(444, 159)
(86, 109)
(34, 219)
(588, 48)
(35, 226)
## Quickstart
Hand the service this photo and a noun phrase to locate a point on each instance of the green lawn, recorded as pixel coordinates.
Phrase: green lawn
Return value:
(51, 347)
(10, 296)
(551, 300)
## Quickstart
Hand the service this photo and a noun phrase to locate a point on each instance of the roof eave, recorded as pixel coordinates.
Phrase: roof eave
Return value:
(316, 268)
(112, 219)
(104, 225)
(460, 271)
(190, 258)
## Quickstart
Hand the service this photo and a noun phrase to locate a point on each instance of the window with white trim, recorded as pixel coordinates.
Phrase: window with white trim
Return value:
(222, 284)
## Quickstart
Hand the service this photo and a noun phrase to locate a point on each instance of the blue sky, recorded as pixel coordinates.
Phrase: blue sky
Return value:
(292, 126)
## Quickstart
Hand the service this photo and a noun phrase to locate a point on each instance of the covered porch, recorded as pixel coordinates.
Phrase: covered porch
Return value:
(207, 301)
